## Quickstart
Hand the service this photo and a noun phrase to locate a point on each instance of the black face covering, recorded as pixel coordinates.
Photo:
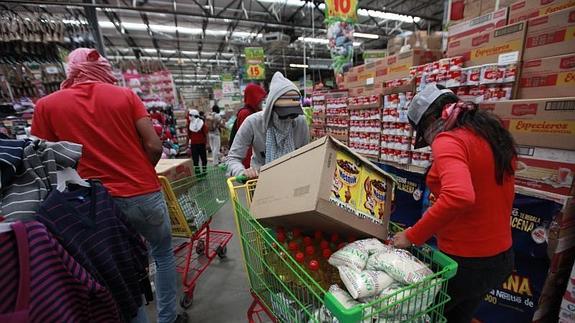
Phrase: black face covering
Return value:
(289, 116)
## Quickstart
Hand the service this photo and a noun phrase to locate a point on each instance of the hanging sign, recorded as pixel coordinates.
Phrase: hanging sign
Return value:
(342, 10)
(255, 63)
(228, 88)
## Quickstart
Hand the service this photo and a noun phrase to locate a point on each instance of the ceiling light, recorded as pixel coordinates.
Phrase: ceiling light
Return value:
(322, 41)
(368, 36)
(299, 65)
(360, 12)
(181, 30)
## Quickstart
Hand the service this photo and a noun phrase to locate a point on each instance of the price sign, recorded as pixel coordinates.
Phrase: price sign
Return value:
(255, 63)
(342, 9)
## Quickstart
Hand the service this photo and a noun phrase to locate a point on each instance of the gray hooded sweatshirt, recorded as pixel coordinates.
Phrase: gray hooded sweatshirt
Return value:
(253, 130)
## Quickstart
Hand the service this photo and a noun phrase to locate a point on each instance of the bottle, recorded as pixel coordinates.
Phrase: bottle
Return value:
(293, 248)
(307, 241)
(351, 238)
(334, 240)
(314, 270)
(280, 229)
(330, 273)
(318, 236)
(324, 244)
(282, 269)
(282, 240)
(310, 253)
(300, 258)
(295, 235)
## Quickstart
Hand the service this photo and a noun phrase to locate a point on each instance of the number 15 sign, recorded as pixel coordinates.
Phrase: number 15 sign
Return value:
(342, 9)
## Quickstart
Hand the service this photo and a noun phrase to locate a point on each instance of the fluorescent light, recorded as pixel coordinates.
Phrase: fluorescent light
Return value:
(182, 30)
(299, 65)
(322, 41)
(360, 12)
(368, 36)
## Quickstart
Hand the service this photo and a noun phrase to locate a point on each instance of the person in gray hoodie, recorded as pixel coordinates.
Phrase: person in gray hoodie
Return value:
(277, 130)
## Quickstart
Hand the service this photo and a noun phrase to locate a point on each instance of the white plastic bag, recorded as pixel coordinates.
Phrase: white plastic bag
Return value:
(355, 254)
(411, 301)
(343, 297)
(366, 283)
(399, 264)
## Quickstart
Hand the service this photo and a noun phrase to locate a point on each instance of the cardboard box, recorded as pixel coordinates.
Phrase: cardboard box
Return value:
(324, 185)
(557, 108)
(482, 23)
(486, 47)
(527, 9)
(550, 77)
(175, 169)
(550, 35)
(567, 312)
(541, 123)
(398, 65)
(550, 170)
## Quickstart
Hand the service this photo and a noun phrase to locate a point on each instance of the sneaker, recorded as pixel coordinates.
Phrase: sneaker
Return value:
(182, 318)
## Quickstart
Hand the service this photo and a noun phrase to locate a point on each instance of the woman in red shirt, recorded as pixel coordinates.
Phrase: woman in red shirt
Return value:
(198, 135)
(472, 178)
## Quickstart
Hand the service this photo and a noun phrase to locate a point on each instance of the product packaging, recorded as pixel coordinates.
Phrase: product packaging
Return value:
(550, 77)
(527, 9)
(174, 169)
(550, 35)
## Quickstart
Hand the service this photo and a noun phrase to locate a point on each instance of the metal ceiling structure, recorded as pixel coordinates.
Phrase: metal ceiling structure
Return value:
(200, 39)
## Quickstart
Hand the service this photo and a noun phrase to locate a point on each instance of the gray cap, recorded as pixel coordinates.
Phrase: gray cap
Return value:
(419, 105)
(421, 102)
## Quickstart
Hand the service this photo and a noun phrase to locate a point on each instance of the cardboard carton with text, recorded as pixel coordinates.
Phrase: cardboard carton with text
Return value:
(174, 169)
(527, 9)
(326, 186)
(549, 77)
(482, 23)
(485, 47)
(550, 35)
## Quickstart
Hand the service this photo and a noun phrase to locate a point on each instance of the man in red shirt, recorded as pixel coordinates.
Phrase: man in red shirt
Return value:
(120, 148)
(198, 137)
(253, 97)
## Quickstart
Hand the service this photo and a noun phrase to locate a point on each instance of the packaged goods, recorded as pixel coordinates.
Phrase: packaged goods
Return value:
(174, 169)
(550, 35)
(550, 170)
(406, 306)
(355, 254)
(549, 77)
(365, 283)
(399, 264)
(486, 47)
(527, 9)
(343, 296)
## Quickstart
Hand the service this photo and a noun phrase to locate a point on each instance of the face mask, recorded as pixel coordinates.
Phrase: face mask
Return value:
(433, 130)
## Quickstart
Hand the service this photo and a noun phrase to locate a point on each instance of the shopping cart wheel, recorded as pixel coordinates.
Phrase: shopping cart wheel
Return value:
(221, 251)
(200, 247)
(187, 300)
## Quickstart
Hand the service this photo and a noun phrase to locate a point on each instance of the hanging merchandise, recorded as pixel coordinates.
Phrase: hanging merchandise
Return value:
(341, 15)
(255, 63)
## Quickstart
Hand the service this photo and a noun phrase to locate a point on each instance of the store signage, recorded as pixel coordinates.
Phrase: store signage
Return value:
(373, 55)
(342, 10)
(226, 77)
(228, 88)
(255, 63)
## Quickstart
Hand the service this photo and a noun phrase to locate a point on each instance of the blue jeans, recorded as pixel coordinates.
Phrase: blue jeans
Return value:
(148, 214)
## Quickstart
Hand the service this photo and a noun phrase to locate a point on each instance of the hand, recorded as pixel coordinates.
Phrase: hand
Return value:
(251, 173)
(400, 240)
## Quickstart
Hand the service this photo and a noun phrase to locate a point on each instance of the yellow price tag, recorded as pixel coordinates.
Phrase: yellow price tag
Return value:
(255, 72)
(344, 9)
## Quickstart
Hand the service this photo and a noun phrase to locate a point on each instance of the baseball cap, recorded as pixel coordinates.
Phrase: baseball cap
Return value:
(288, 104)
(419, 105)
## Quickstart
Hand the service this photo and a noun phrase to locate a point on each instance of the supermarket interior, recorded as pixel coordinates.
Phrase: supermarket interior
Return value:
(287, 161)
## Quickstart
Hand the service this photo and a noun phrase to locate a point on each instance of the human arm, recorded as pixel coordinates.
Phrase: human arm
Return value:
(151, 143)
(457, 194)
(242, 142)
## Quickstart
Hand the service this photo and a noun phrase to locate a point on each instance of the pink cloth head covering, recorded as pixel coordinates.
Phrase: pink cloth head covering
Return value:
(87, 65)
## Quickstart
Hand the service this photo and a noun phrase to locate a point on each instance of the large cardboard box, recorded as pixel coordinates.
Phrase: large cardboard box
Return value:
(527, 9)
(550, 77)
(556, 108)
(546, 123)
(567, 313)
(398, 65)
(550, 35)
(545, 169)
(175, 169)
(482, 23)
(324, 185)
(486, 47)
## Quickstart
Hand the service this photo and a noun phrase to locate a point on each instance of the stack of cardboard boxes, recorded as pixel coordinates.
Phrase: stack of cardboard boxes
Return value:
(318, 119)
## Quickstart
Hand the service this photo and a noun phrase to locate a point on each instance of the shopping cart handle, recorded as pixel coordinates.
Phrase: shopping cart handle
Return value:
(241, 179)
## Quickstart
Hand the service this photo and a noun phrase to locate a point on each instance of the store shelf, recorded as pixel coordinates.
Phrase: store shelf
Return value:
(409, 168)
(364, 106)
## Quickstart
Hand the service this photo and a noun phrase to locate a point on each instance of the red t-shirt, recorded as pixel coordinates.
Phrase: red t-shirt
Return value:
(472, 213)
(242, 115)
(200, 137)
(102, 117)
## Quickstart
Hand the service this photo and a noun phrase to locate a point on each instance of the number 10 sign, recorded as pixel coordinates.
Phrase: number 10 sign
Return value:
(342, 9)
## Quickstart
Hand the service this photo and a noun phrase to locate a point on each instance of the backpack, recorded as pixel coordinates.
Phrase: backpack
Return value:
(235, 128)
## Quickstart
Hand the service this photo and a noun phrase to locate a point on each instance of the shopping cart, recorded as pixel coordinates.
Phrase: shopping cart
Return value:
(192, 201)
(301, 299)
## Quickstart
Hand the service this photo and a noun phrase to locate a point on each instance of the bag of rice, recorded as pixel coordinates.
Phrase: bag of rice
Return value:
(366, 283)
(355, 254)
(411, 301)
(399, 264)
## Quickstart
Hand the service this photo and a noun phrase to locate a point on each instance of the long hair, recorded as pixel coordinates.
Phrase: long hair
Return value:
(488, 126)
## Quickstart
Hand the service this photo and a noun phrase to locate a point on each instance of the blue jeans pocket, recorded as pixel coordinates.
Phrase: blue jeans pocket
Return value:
(154, 209)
